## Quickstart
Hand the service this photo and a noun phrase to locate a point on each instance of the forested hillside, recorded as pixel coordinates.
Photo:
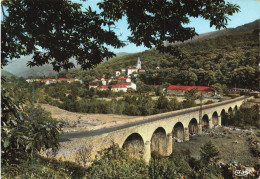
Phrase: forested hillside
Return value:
(6, 74)
(230, 60)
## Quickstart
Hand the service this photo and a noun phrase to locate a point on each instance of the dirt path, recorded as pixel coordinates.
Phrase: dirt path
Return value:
(86, 122)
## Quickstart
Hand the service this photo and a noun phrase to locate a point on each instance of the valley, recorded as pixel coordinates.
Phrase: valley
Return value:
(181, 110)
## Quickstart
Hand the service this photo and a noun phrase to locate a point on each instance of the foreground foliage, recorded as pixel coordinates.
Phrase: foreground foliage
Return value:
(25, 131)
(115, 162)
(43, 168)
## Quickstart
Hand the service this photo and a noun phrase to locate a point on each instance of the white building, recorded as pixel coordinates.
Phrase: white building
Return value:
(123, 71)
(117, 72)
(93, 86)
(139, 63)
(131, 70)
(123, 87)
(79, 80)
(128, 80)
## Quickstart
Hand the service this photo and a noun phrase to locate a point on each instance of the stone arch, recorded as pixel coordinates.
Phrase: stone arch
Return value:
(159, 141)
(215, 118)
(135, 144)
(205, 122)
(235, 108)
(223, 117)
(223, 112)
(193, 126)
(178, 131)
(229, 110)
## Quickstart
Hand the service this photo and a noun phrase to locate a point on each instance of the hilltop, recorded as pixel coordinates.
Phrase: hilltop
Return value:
(229, 31)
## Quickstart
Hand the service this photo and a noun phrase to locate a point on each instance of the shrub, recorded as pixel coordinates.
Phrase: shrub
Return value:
(208, 152)
(115, 162)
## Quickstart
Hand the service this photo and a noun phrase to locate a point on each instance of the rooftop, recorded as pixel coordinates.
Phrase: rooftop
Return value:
(179, 87)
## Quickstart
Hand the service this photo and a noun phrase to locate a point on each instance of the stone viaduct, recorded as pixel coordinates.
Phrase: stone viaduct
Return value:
(158, 132)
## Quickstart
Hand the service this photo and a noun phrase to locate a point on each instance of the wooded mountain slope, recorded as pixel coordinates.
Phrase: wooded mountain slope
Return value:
(230, 60)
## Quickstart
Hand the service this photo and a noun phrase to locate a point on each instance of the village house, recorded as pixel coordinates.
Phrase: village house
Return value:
(92, 86)
(123, 71)
(106, 81)
(103, 87)
(180, 90)
(100, 78)
(117, 72)
(103, 80)
(123, 87)
(124, 80)
(48, 81)
(141, 70)
(32, 80)
(65, 79)
(116, 88)
(131, 70)
(78, 80)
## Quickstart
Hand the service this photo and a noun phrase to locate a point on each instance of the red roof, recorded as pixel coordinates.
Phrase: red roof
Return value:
(99, 78)
(179, 87)
(104, 86)
(93, 85)
(121, 85)
(141, 69)
(63, 79)
(116, 70)
(122, 78)
(132, 68)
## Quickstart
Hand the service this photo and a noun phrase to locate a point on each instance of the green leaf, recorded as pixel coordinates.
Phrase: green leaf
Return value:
(14, 122)
(29, 146)
(27, 138)
(7, 142)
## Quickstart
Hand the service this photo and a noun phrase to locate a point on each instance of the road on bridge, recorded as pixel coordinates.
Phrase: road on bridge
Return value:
(67, 136)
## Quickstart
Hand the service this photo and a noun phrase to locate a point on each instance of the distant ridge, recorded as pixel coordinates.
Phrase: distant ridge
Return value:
(19, 67)
(229, 31)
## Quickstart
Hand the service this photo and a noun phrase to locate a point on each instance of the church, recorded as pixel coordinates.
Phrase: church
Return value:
(136, 69)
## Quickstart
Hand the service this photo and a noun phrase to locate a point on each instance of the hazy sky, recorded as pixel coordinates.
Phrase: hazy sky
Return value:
(249, 12)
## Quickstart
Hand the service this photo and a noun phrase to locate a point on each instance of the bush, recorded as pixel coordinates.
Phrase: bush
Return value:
(43, 168)
(208, 152)
(115, 162)
(173, 167)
